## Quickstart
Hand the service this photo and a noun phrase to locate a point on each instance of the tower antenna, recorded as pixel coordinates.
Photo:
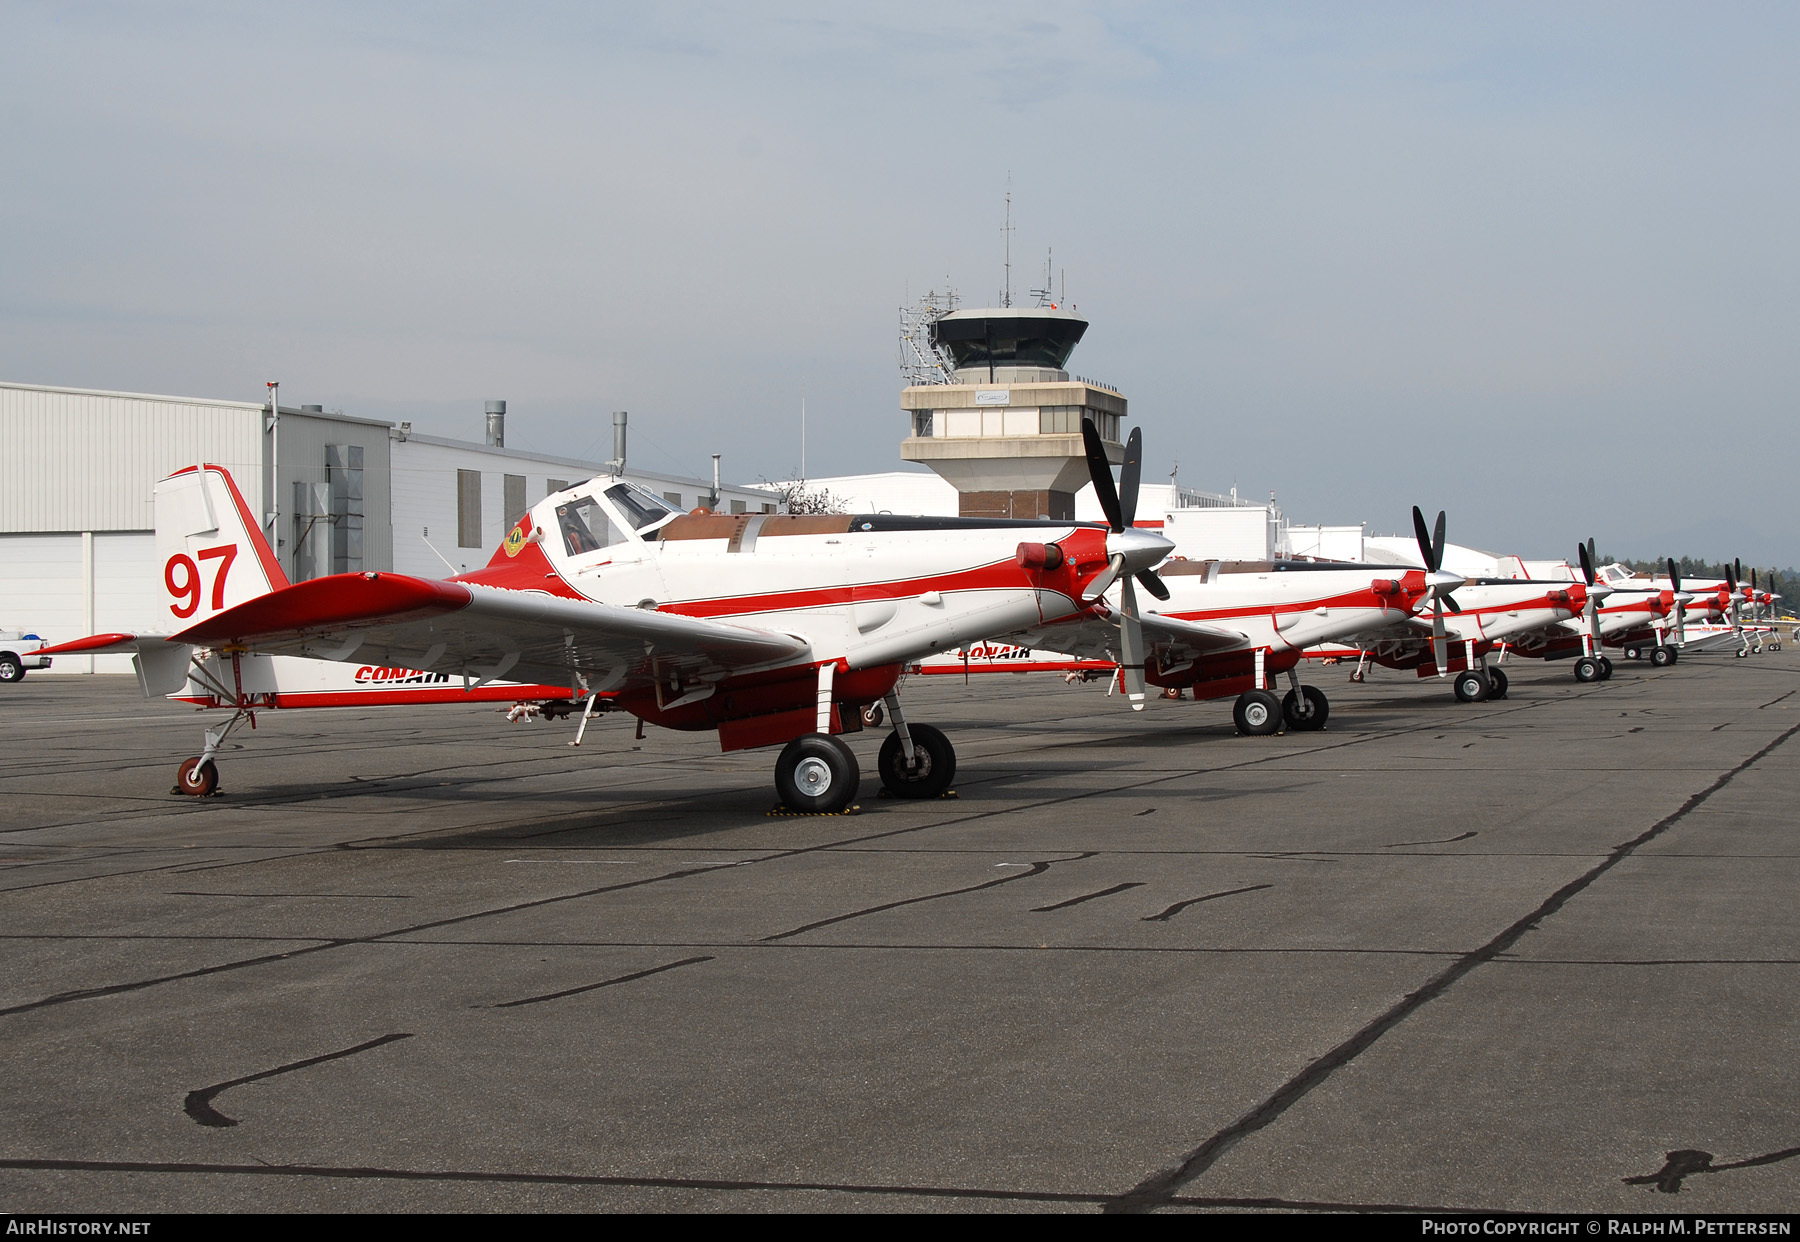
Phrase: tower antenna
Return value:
(1006, 231)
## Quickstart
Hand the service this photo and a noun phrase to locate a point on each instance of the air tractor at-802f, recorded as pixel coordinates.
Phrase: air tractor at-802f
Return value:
(769, 629)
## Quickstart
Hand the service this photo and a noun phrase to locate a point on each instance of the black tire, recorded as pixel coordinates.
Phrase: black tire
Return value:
(1634, 653)
(1587, 669)
(1674, 654)
(1308, 718)
(816, 773)
(1606, 668)
(1257, 713)
(197, 777)
(937, 764)
(872, 716)
(11, 667)
(1662, 657)
(1496, 683)
(1471, 686)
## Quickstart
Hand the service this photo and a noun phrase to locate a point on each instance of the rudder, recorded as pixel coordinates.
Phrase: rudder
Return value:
(212, 552)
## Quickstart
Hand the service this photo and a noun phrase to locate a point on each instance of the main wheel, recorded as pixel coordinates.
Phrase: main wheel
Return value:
(1662, 657)
(1606, 668)
(937, 764)
(1587, 669)
(1305, 711)
(1257, 713)
(11, 668)
(197, 777)
(1471, 686)
(817, 773)
(1496, 683)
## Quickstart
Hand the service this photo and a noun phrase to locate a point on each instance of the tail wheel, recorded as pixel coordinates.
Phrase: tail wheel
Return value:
(1471, 686)
(197, 778)
(816, 773)
(1257, 713)
(1305, 710)
(1587, 669)
(937, 764)
(1496, 683)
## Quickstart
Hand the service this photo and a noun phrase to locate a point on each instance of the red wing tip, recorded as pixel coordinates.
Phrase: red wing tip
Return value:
(91, 643)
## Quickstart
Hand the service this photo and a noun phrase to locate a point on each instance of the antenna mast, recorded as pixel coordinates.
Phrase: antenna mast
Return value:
(1006, 231)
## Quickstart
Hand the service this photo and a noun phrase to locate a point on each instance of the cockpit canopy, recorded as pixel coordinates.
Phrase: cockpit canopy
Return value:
(593, 519)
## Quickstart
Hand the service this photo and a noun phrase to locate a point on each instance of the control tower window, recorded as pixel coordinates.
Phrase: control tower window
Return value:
(643, 508)
(1000, 338)
(922, 420)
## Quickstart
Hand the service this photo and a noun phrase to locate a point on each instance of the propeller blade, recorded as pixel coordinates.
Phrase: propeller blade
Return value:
(1131, 647)
(1150, 582)
(1674, 576)
(1587, 561)
(1452, 605)
(1100, 472)
(1437, 543)
(1593, 556)
(1423, 534)
(1440, 646)
(1128, 475)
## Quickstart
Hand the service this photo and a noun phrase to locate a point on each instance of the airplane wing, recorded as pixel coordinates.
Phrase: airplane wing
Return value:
(1095, 636)
(489, 632)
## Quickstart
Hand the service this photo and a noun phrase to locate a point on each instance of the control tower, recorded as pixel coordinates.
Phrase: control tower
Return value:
(1006, 428)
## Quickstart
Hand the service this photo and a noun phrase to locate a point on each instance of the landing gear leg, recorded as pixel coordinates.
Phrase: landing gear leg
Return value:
(1362, 667)
(198, 777)
(1305, 707)
(916, 761)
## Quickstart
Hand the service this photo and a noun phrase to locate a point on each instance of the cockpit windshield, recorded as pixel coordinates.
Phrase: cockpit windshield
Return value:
(644, 509)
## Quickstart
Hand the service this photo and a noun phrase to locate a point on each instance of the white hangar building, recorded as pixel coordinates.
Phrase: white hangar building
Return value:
(77, 541)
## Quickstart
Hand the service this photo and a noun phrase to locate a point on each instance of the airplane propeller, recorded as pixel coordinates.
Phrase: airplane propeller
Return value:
(1133, 553)
(1682, 600)
(1590, 611)
(1438, 584)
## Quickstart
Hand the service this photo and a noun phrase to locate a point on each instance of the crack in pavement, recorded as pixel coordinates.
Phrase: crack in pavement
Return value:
(1160, 1187)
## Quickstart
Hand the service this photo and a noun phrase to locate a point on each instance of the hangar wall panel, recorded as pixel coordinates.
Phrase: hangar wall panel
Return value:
(42, 590)
(79, 460)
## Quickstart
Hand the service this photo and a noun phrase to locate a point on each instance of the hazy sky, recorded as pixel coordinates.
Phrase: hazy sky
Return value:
(1534, 264)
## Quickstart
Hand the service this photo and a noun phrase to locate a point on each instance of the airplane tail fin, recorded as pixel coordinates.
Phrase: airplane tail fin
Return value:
(211, 548)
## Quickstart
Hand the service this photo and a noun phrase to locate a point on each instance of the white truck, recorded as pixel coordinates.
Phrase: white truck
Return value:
(18, 652)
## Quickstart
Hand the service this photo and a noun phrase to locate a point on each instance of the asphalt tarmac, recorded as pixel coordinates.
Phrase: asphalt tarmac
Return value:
(1537, 953)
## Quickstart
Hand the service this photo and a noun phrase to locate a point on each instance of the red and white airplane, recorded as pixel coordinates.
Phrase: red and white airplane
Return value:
(769, 629)
(1227, 628)
(1502, 615)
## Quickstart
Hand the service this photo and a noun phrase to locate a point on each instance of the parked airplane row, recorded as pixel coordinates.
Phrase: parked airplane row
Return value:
(793, 630)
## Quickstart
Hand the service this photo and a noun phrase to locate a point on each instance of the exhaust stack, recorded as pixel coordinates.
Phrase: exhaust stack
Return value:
(617, 464)
(496, 424)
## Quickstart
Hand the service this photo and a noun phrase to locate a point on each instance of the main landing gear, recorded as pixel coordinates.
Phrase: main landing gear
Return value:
(1258, 713)
(1478, 682)
(818, 774)
(1477, 685)
(1590, 668)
